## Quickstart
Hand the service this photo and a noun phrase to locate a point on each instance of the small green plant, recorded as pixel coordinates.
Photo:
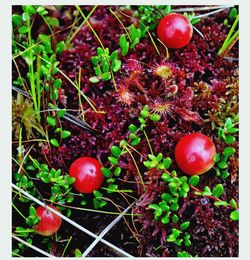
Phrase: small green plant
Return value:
(31, 52)
(232, 34)
(104, 63)
(134, 36)
(150, 15)
(225, 134)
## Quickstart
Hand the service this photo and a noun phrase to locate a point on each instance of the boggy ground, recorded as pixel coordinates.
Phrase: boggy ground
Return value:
(207, 94)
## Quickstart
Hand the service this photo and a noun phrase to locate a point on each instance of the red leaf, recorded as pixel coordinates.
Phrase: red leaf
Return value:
(189, 115)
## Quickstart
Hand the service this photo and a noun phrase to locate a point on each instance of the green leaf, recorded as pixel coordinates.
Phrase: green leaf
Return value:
(183, 254)
(159, 157)
(187, 243)
(116, 151)
(106, 76)
(117, 171)
(112, 188)
(132, 128)
(218, 190)
(175, 218)
(97, 194)
(167, 162)
(32, 211)
(61, 112)
(222, 165)
(221, 203)
(207, 191)
(185, 187)
(113, 160)
(229, 139)
(165, 220)
(134, 43)
(114, 55)
(144, 113)
(224, 174)
(153, 164)
(151, 157)
(60, 47)
(94, 79)
(147, 163)
(176, 233)
(155, 117)
(83, 202)
(40, 9)
(29, 9)
(146, 108)
(106, 172)
(166, 197)
(233, 13)
(174, 207)
(78, 253)
(57, 83)
(70, 180)
(233, 203)
(232, 130)
(124, 44)
(98, 71)
(158, 210)
(228, 151)
(134, 33)
(194, 180)
(141, 120)
(23, 29)
(123, 143)
(94, 60)
(234, 215)
(166, 177)
(116, 65)
(228, 123)
(65, 134)
(184, 225)
(54, 142)
(136, 141)
(217, 158)
(51, 121)
(16, 20)
(52, 21)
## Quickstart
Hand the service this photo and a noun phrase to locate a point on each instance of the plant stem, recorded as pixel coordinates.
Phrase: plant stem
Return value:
(229, 39)
(20, 213)
(31, 72)
(151, 38)
(121, 24)
(149, 145)
(64, 250)
(81, 25)
(79, 93)
(90, 26)
(137, 168)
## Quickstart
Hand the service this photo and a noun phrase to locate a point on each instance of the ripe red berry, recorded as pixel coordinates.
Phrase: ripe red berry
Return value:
(175, 30)
(49, 222)
(194, 154)
(87, 173)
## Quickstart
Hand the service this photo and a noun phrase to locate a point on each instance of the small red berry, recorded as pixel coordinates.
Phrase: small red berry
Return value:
(175, 30)
(49, 222)
(87, 173)
(194, 154)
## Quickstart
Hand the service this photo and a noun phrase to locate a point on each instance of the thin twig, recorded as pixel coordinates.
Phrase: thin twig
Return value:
(105, 231)
(194, 9)
(122, 252)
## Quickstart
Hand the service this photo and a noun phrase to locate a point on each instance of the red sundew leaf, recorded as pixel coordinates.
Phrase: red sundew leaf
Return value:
(189, 116)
